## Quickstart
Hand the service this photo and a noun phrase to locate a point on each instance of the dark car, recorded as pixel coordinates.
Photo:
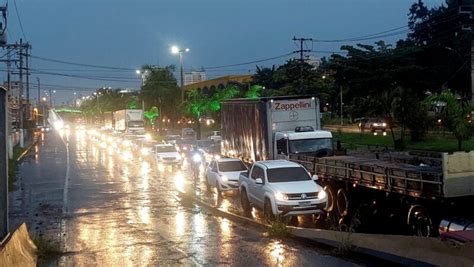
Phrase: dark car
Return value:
(373, 125)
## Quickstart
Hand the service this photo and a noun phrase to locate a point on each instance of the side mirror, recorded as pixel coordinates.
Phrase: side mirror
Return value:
(258, 181)
(315, 177)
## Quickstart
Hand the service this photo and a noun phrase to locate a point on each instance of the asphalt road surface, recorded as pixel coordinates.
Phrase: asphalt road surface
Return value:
(108, 210)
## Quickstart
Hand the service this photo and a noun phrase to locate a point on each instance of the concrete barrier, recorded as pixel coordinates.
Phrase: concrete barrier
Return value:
(18, 249)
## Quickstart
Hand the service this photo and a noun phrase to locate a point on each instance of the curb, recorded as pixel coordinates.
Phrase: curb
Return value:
(293, 234)
(27, 150)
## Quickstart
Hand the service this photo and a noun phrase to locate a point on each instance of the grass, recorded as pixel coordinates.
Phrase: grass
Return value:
(12, 166)
(438, 143)
(277, 228)
(46, 248)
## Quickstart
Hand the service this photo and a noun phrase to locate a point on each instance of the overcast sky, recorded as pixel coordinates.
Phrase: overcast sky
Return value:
(130, 33)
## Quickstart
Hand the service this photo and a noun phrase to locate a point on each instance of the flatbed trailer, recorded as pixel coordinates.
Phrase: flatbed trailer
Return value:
(422, 194)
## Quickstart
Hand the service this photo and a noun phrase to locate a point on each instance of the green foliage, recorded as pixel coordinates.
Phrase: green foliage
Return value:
(47, 249)
(278, 228)
(455, 116)
(161, 90)
(433, 143)
(133, 104)
(199, 104)
(152, 114)
(105, 100)
(254, 92)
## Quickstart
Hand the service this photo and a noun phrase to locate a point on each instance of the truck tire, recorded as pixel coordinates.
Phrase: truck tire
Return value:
(267, 210)
(244, 201)
(330, 193)
(419, 221)
(342, 202)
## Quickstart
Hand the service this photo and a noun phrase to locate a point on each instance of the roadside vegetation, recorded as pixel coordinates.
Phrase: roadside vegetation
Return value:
(46, 249)
(12, 167)
(439, 143)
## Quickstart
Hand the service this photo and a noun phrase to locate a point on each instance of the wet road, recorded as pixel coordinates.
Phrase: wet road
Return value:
(110, 211)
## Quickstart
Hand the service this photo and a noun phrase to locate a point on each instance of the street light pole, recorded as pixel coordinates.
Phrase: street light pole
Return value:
(176, 50)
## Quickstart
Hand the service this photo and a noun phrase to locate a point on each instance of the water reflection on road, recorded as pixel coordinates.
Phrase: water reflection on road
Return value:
(124, 210)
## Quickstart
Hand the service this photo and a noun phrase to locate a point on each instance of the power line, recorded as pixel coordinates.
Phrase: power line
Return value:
(19, 20)
(81, 64)
(359, 37)
(250, 62)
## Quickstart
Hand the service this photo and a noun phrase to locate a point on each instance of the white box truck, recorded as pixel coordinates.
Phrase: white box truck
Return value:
(129, 121)
(273, 128)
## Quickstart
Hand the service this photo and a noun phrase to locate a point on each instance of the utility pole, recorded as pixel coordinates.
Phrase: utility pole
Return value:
(301, 52)
(3, 166)
(39, 91)
(27, 61)
(20, 83)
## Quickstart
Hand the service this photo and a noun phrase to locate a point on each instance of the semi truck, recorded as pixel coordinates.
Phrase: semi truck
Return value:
(392, 192)
(129, 121)
(426, 193)
(273, 128)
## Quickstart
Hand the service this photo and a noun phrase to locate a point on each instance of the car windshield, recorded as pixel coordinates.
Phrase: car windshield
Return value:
(232, 166)
(161, 149)
(310, 145)
(289, 174)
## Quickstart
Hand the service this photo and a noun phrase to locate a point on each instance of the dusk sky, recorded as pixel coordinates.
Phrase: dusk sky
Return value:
(128, 34)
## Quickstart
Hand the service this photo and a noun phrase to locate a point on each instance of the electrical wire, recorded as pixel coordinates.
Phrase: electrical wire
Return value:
(81, 64)
(19, 20)
(250, 62)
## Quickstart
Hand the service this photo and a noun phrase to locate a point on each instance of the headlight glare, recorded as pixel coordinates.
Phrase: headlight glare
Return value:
(280, 196)
(322, 194)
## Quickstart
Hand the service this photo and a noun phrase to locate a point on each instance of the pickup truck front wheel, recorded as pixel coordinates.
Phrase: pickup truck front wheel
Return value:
(244, 201)
(267, 210)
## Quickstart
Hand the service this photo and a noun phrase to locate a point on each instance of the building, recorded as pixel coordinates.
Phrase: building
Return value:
(314, 61)
(194, 77)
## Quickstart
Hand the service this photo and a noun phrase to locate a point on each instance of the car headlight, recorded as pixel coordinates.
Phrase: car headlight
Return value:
(280, 196)
(384, 124)
(224, 178)
(144, 151)
(197, 158)
(322, 194)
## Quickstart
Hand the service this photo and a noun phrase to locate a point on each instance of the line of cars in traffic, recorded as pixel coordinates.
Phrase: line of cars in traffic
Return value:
(277, 187)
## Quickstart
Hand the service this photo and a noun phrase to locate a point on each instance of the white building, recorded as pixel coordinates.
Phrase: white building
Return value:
(194, 77)
(314, 61)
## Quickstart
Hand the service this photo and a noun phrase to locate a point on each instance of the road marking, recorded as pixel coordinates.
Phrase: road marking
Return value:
(65, 191)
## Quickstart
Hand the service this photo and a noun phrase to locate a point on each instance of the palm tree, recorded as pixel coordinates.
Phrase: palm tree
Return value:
(456, 116)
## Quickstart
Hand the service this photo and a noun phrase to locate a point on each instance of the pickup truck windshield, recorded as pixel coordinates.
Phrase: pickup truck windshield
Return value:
(232, 166)
(310, 145)
(291, 174)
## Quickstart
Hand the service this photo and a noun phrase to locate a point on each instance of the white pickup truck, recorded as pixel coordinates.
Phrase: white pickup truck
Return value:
(281, 188)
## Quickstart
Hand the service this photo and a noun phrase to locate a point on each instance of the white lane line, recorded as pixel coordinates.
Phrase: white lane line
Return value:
(65, 192)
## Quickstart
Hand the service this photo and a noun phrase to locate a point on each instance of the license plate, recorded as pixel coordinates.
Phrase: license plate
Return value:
(305, 203)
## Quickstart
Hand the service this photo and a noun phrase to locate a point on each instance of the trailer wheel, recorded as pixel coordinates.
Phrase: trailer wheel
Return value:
(330, 193)
(419, 221)
(342, 202)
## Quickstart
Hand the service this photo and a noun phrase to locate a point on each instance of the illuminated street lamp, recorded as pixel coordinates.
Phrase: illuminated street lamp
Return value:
(177, 50)
(142, 74)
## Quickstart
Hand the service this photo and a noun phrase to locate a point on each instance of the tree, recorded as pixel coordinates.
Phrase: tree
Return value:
(161, 90)
(456, 116)
(445, 45)
(152, 114)
(198, 105)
